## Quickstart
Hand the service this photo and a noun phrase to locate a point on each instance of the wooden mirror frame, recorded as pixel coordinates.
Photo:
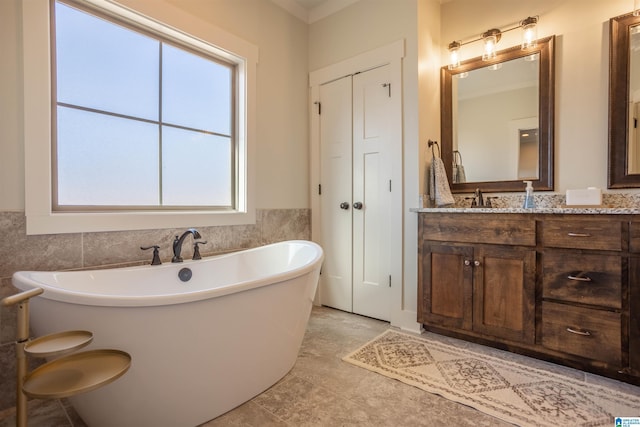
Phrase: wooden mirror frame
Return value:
(545, 47)
(617, 173)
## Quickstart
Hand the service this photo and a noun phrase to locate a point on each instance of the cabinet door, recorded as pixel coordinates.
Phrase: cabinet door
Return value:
(504, 293)
(446, 286)
(634, 315)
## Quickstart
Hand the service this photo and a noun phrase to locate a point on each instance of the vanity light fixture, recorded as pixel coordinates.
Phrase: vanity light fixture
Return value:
(490, 39)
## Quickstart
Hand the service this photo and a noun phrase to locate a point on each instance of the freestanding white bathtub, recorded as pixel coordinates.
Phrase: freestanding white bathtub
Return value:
(199, 348)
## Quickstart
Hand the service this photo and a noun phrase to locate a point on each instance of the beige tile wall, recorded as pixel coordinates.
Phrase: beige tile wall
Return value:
(90, 250)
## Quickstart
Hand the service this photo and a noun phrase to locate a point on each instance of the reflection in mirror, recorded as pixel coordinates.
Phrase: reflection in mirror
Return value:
(499, 116)
(528, 147)
(493, 108)
(624, 102)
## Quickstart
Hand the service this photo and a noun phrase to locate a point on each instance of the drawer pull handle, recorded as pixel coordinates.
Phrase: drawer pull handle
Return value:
(578, 234)
(578, 332)
(579, 278)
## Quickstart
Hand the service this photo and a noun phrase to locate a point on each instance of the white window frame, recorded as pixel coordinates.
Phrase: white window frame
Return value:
(41, 219)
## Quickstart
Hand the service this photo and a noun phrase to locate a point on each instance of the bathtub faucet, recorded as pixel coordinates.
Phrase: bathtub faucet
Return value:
(177, 243)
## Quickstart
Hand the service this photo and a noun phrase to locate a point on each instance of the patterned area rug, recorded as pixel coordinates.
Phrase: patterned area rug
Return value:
(510, 391)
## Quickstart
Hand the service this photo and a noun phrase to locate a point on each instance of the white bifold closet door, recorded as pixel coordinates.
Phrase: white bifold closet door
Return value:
(355, 150)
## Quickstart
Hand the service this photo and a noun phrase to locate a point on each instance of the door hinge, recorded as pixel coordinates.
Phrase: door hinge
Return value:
(389, 280)
(387, 85)
(319, 189)
(319, 106)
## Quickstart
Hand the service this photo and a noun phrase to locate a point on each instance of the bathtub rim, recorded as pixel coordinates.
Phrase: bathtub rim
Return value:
(23, 280)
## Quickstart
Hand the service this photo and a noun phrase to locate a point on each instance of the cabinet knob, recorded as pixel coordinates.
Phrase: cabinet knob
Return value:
(476, 263)
(467, 262)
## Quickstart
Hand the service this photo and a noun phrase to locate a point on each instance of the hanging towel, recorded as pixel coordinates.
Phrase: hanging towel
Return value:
(439, 190)
(458, 174)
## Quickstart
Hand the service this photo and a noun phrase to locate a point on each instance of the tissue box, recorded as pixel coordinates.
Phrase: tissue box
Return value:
(588, 197)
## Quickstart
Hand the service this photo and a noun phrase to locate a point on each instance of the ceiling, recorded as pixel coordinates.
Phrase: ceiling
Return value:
(310, 11)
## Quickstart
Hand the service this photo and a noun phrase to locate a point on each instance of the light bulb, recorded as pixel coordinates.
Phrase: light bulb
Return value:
(530, 32)
(490, 39)
(454, 52)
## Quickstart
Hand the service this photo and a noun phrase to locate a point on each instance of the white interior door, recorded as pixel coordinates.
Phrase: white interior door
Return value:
(360, 260)
(373, 141)
(336, 193)
(355, 144)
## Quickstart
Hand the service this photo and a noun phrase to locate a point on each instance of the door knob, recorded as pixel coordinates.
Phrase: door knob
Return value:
(357, 205)
(344, 205)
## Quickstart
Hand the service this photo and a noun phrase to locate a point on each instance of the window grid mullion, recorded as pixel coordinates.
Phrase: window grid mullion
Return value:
(160, 199)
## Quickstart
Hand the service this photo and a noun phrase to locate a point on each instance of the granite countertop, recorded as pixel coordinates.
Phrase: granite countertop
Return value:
(546, 203)
(541, 210)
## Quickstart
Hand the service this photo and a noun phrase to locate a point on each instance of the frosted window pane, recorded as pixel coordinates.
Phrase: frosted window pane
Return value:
(104, 66)
(104, 160)
(196, 92)
(196, 168)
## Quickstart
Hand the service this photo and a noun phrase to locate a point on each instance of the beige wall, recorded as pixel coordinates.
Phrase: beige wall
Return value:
(11, 149)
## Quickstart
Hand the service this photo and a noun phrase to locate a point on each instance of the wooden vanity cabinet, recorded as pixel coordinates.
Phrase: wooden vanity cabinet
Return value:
(556, 286)
(487, 289)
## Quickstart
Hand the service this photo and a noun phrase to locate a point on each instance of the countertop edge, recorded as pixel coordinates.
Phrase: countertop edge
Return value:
(575, 211)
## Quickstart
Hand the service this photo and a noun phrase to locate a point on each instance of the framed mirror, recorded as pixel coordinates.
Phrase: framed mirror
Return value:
(497, 120)
(624, 102)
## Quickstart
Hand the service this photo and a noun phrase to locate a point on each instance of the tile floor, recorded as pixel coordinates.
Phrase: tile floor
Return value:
(321, 390)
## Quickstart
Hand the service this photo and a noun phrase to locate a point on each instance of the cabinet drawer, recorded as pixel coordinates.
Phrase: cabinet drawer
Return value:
(593, 334)
(583, 278)
(590, 234)
(492, 229)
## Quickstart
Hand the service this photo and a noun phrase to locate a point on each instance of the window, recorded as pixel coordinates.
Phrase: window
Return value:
(139, 121)
(147, 126)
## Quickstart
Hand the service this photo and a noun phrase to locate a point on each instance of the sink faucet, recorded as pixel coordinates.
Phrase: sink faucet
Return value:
(177, 243)
(478, 197)
(479, 201)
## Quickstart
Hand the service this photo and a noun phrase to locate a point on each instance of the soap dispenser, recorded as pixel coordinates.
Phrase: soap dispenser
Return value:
(529, 203)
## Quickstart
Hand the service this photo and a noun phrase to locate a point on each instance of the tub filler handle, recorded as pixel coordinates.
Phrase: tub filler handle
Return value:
(196, 249)
(156, 254)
